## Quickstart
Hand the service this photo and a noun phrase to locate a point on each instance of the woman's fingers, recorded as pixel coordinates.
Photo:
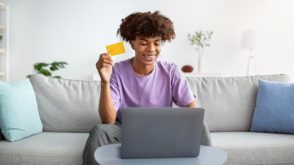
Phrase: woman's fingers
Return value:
(104, 59)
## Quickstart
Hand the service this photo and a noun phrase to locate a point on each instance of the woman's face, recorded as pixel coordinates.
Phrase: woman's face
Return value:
(147, 50)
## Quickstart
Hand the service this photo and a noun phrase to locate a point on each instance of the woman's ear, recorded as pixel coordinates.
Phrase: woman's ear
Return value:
(132, 45)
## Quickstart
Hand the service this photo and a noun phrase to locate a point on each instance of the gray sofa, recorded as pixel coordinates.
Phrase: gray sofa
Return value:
(68, 110)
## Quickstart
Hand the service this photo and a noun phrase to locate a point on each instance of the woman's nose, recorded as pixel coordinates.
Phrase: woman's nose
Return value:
(151, 47)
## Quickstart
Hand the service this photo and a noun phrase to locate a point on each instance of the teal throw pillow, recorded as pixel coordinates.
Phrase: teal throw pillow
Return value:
(19, 116)
(274, 111)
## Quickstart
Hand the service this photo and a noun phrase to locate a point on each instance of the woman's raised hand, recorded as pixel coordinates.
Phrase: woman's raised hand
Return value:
(104, 67)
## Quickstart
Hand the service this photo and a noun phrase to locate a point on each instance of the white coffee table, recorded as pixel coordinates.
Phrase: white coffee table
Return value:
(110, 155)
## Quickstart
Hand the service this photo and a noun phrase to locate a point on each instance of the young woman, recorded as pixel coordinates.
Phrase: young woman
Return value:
(139, 81)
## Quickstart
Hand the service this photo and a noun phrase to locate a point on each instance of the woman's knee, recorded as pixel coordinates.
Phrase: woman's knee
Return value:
(97, 129)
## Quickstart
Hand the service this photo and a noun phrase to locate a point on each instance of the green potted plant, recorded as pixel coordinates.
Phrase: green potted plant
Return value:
(200, 39)
(47, 69)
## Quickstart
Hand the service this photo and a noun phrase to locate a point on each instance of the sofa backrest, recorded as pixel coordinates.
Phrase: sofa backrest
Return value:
(229, 101)
(72, 105)
(66, 105)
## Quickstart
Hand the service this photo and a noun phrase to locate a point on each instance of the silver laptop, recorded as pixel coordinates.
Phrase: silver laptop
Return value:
(161, 132)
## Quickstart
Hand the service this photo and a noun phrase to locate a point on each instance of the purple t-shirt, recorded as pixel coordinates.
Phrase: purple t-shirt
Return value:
(163, 86)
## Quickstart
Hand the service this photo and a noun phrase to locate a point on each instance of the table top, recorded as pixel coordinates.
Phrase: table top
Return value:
(110, 155)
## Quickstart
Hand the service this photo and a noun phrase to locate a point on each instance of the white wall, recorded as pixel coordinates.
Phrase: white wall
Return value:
(76, 31)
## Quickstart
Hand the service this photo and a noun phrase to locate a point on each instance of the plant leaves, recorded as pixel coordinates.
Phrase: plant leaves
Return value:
(47, 69)
(200, 39)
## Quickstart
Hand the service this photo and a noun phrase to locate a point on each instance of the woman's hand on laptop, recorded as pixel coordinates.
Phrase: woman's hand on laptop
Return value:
(193, 104)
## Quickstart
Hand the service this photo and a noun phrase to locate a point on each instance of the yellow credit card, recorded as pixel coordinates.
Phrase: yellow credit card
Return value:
(115, 49)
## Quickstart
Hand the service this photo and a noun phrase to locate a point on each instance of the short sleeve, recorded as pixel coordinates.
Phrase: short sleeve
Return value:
(182, 95)
(114, 90)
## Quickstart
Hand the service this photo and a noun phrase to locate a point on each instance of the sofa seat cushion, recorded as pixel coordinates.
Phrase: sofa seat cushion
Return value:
(255, 148)
(45, 148)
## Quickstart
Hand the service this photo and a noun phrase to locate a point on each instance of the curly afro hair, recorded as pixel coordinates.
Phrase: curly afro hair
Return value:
(146, 24)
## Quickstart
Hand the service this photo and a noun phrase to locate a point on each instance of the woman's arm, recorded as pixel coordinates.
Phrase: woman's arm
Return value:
(106, 110)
